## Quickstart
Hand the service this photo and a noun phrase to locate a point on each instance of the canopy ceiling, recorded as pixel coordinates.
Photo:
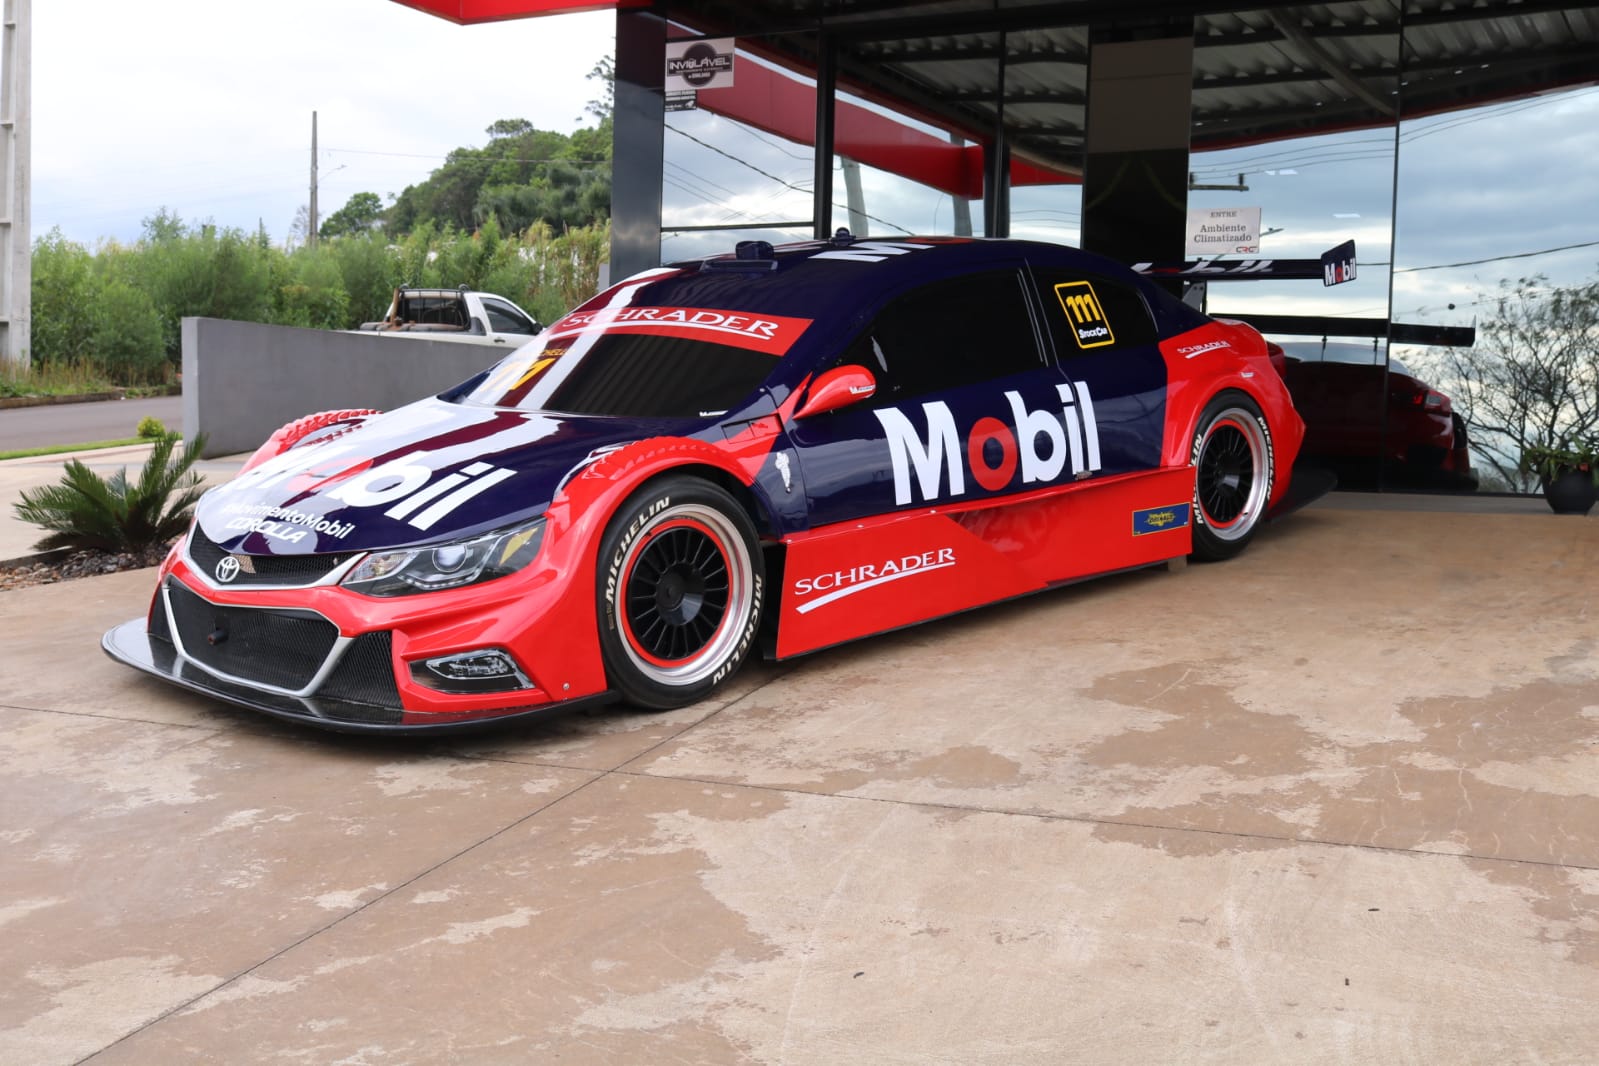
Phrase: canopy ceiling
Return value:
(1263, 72)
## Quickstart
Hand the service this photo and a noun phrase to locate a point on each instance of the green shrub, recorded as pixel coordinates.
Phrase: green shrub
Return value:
(203, 272)
(126, 338)
(151, 428)
(114, 315)
(370, 272)
(85, 510)
(312, 293)
(63, 296)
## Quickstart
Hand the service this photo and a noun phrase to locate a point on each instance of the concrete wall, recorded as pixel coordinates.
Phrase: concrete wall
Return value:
(241, 380)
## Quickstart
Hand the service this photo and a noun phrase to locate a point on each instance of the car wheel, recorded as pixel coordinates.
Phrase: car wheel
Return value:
(1232, 459)
(681, 584)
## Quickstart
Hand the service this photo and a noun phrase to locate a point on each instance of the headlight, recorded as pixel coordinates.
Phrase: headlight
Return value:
(447, 566)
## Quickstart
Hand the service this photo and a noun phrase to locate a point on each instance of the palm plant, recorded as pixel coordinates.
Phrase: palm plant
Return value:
(85, 510)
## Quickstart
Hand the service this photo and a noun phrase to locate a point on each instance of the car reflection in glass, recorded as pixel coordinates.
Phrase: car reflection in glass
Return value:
(1411, 439)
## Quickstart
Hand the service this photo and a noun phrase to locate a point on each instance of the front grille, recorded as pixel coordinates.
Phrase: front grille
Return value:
(291, 570)
(365, 673)
(282, 648)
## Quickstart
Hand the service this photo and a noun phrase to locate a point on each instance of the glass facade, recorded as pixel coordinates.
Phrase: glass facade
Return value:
(1460, 173)
(744, 171)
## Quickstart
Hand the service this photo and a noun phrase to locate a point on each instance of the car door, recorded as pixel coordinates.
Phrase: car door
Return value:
(1105, 340)
(962, 377)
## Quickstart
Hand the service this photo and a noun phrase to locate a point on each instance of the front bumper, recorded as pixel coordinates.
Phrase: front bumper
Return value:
(324, 656)
(133, 645)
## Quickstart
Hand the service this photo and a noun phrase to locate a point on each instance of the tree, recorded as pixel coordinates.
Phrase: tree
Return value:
(164, 226)
(509, 127)
(1532, 379)
(361, 213)
(522, 176)
(604, 72)
(300, 228)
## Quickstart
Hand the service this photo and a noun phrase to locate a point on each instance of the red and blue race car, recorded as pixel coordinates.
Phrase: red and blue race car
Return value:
(776, 450)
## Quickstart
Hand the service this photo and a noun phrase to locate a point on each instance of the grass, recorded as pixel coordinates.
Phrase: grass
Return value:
(51, 380)
(61, 449)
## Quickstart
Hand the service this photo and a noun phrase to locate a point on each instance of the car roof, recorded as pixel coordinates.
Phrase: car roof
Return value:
(880, 264)
(840, 279)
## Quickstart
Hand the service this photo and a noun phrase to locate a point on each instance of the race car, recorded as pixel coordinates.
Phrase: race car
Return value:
(774, 450)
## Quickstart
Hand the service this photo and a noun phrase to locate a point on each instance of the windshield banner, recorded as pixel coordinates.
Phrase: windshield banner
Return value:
(771, 334)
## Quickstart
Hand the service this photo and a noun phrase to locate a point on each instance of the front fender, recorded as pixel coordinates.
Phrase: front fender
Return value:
(592, 494)
(335, 423)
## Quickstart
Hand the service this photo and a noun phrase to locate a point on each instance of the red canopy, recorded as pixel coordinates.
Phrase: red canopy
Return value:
(466, 12)
(768, 100)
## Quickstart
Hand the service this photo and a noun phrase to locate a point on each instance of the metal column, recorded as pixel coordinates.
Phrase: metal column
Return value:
(1135, 174)
(637, 150)
(16, 243)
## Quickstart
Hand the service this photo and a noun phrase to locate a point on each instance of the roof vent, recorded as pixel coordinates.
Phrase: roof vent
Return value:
(842, 238)
(753, 250)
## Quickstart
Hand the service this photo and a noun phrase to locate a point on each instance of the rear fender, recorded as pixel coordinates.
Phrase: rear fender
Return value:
(1218, 356)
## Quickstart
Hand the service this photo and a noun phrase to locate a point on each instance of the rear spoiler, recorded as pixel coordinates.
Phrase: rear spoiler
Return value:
(1329, 326)
(1336, 266)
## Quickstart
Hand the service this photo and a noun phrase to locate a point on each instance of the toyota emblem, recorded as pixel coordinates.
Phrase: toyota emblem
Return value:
(227, 569)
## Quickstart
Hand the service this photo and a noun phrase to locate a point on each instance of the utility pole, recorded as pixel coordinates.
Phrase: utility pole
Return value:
(16, 244)
(310, 236)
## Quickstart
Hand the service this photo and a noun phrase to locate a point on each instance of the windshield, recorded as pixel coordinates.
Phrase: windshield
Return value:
(642, 362)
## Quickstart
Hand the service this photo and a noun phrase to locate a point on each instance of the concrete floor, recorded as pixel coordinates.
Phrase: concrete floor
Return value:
(1336, 801)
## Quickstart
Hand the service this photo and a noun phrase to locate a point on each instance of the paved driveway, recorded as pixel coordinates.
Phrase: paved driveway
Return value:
(1334, 802)
(84, 423)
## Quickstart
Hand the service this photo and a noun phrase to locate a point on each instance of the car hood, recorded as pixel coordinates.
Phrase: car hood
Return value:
(430, 472)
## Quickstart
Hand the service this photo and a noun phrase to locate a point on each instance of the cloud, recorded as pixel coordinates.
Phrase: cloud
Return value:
(205, 107)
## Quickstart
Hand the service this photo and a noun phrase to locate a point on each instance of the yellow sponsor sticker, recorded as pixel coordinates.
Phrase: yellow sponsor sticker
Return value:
(1085, 314)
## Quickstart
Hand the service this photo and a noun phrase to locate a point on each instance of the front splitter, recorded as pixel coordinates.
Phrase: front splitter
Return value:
(131, 644)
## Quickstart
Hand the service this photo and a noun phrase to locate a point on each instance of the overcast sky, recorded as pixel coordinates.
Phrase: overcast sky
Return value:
(204, 106)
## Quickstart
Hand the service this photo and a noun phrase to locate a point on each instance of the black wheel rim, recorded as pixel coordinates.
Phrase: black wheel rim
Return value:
(677, 595)
(1226, 474)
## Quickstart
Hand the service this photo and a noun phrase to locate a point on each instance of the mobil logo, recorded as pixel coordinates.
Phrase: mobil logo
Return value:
(1037, 445)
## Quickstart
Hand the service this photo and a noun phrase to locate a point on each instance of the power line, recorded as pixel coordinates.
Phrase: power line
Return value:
(741, 162)
(591, 161)
(773, 177)
(1495, 258)
(1285, 158)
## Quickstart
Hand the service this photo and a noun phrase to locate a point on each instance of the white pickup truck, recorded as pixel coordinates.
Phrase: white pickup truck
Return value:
(455, 315)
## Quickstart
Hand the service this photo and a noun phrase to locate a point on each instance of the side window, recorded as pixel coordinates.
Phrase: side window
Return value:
(1089, 313)
(503, 318)
(947, 334)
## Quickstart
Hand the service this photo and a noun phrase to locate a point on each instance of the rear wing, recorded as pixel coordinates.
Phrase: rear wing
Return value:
(1336, 266)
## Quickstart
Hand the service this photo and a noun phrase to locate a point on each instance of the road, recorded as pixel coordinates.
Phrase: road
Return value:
(83, 423)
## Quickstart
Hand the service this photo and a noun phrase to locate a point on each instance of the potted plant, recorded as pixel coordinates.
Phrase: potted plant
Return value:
(1568, 473)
